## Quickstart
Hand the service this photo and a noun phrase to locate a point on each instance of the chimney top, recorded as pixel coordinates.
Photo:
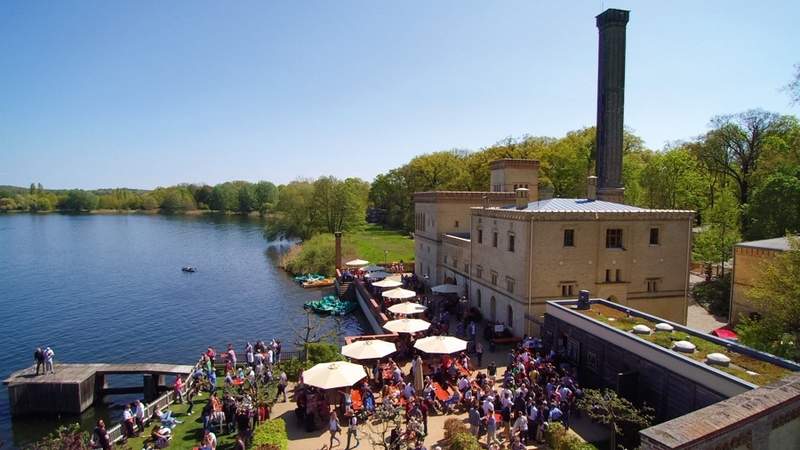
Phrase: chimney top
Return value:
(522, 198)
(612, 16)
(591, 188)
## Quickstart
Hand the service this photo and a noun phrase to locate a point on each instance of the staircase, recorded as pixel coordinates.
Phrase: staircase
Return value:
(342, 287)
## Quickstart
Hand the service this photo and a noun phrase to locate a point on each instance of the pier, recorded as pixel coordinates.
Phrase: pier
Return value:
(74, 387)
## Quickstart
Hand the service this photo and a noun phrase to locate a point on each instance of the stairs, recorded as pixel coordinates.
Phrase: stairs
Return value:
(342, 287)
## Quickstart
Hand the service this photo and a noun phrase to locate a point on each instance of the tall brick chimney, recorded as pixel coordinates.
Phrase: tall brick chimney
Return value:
(610, 103)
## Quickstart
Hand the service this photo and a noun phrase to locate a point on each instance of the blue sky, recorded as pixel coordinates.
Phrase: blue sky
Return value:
(146, 93)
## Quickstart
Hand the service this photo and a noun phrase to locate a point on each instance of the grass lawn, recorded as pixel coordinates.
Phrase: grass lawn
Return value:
(187, 435)
(372, 240)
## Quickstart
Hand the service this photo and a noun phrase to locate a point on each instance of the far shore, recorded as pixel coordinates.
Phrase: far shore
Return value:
(193, 212)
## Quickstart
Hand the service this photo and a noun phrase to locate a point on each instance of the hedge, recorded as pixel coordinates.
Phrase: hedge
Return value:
(271, 434)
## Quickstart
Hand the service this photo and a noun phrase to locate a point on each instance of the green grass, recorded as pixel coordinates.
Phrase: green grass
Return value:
(187, 435)
(740, 363)
(370, 243)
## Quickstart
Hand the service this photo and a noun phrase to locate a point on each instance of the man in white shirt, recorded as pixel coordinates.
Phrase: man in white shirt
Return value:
(138, 414)
(463, 383)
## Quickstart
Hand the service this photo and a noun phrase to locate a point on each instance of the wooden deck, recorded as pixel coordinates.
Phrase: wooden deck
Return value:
(74, 387)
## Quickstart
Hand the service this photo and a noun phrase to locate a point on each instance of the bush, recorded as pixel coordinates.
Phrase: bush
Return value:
(453, 427)
(320, 352)
(714, 295)
(271, 435)
(292, 367)
(463, 440)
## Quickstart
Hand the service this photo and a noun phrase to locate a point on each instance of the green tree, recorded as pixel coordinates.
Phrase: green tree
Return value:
(775, 208)
(714, 244)
(78, 200)
(735, 145)
(672, 180)
(776, 293)
(149, 203)
(224, 197)
(248, 201)
(177, 199)
(294, 214)
(608, 408)
(7, 204)
(266, 195)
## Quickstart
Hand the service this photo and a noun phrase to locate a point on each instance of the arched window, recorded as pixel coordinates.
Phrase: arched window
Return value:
(493, 309)
(478, 297)
(510, 313)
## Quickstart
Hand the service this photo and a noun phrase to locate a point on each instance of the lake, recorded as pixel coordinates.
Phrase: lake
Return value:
(109, 288)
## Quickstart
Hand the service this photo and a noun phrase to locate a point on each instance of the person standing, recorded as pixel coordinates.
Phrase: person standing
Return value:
(334, 428)
(249, 355)
(352, 431)
(283, 381)
(474, 420)
(491, 429)
(138, 415)
(38, 357)
(479, 353)
(100, 436)
(49, 354)
(178, 389)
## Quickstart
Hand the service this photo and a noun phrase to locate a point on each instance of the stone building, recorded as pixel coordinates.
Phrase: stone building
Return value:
(748, 257)
(511, 250)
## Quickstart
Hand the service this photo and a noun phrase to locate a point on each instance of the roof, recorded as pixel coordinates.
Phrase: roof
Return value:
(781, 243)
(576, 204)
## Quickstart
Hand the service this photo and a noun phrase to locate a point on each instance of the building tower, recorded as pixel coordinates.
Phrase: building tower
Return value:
(610, 103)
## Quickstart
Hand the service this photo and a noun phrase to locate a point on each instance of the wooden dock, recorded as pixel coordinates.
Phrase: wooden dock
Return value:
(74, 387)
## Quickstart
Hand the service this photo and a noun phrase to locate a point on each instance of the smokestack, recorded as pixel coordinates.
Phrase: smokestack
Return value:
(522, 198)
(591, 188)
(338, 257)
(610, 103)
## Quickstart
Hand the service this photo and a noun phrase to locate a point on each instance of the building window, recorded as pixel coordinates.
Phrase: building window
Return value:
(494, 278)
(618, 276)
(511, 242)
(614, 238)
(608, 276)
(510, 284)
(653, 236)
(466, 268)
(445, 259)
(568, 289)
(569, 238)
(494, 239)
(455, 263)
(480, 236)
(652, 284)
(456, 224)
(510, 316)
(478, 271)
(478, 297)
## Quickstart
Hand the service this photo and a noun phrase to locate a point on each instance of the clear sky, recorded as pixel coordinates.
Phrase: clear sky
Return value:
(147, 93)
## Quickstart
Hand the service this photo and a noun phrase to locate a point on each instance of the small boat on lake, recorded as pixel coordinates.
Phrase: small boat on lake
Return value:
(325, 282)
(332, 305)
(189, 269)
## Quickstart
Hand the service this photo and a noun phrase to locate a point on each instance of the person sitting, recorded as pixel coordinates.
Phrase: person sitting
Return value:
(453, 401)
(165, 418)
(160, 436)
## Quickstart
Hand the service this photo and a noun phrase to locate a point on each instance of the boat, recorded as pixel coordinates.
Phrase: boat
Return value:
(331, 305)
(325, 282)
(189, 269)
(309, 277)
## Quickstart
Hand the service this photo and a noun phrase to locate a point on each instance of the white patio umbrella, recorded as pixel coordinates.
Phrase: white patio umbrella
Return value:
(407, 325)
(399, 293)
(372, 268)
(387, 283)
(377, 275)
(332, 375)
(369, 349)
(356, 263)
(446, 289)
(441, 344)
(407, 308)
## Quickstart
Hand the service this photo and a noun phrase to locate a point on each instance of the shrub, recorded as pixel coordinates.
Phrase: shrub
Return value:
(292, 367)
(453, 427)
(463, 440)
(714, 295)
(320, 352)
(271, 434)
(554, 434)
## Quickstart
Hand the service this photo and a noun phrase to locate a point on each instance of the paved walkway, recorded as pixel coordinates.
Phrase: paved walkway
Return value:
(697, 316)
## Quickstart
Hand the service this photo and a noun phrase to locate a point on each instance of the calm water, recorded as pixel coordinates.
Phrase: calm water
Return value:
(110, 289)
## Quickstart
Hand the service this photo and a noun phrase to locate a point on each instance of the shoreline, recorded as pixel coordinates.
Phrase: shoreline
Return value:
(148, 212)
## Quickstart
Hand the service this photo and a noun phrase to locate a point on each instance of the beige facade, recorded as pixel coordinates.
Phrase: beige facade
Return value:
(748, 257)
(512, 259)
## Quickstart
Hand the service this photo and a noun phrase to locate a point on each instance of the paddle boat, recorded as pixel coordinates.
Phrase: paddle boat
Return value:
(189, 269)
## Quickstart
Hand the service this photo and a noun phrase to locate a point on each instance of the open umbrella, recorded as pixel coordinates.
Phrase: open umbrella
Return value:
(399, 293)
(387, 283)
(407, 308)
(356, 263)
(446, 289)
(369, 349)
(441, 344)
(407, 325)
(372, 268)
(332, 375)
(377, 275)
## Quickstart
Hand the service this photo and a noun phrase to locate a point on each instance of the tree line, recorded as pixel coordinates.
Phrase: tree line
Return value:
(233, 196)
(742, 176)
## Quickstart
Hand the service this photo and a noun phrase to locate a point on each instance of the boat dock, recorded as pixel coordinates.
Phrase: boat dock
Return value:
(74, 387)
